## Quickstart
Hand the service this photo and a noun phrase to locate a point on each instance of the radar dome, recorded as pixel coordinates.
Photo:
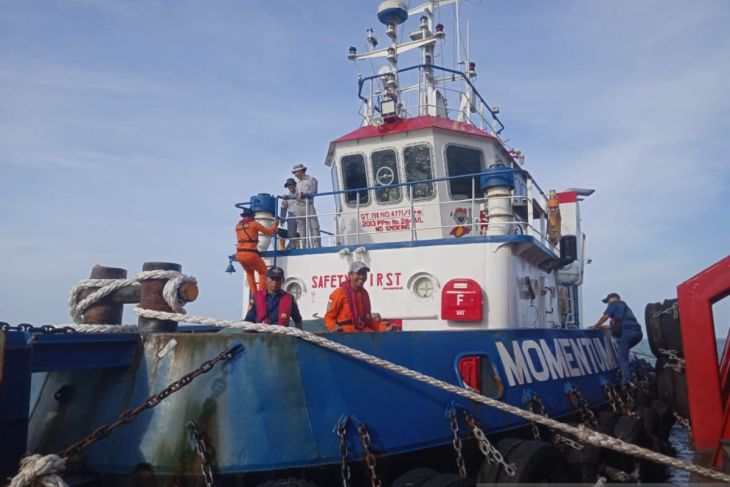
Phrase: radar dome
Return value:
(392, 12)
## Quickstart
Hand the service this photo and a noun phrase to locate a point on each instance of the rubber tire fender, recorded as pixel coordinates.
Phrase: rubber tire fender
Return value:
(681, 396)
(535, 462)
(665, 419)
(654, 328)
(448, 480)
(608, 419)
(488, 472)
(415, 477)
(650, 418)
(630, 430)
(671, 328)
(583, 464)
(672, 388)
(288, 482)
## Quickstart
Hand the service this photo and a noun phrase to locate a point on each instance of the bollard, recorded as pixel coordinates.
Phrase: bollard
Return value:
(109, 310)
(151, 298)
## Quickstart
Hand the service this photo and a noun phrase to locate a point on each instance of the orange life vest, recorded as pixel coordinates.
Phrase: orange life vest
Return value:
(247, 235)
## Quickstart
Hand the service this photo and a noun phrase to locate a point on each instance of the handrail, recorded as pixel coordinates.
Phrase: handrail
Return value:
(409, 183)
(362, 81)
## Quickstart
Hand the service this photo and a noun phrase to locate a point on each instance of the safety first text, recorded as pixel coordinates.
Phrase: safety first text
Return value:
(386, 280)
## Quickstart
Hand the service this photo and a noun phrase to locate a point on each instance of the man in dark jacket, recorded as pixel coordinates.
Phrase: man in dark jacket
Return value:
(624, 327)
(272, 305)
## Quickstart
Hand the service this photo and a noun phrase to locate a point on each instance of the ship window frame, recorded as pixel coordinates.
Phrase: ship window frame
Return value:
(398, 181)
(360, 191)
(334, 173)
(406, 181)
(447, 172)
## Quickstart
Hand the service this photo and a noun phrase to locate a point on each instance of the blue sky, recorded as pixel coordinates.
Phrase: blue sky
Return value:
(129, 129)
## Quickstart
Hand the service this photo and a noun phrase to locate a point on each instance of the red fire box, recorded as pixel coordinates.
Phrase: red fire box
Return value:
(461, 300)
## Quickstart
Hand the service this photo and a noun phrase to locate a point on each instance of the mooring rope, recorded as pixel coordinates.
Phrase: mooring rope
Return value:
(175, 280)
(581, 433)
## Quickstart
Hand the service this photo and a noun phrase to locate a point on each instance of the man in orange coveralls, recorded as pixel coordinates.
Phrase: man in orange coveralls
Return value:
(348, 309)
(247, 233)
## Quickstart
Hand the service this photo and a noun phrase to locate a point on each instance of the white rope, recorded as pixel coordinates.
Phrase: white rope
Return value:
(40, 470)
(582, 433)
(82, 328)
(170, 291)
(106, 287)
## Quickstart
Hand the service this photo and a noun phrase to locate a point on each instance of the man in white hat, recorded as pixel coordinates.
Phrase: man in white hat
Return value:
(308, 222)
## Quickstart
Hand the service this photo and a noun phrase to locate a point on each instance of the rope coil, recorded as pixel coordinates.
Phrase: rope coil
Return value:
(106, 287)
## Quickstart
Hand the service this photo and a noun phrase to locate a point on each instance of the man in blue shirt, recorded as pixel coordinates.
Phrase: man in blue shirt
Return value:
(624, 327)
(272, 305)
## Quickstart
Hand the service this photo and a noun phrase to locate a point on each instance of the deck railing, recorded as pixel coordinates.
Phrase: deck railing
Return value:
(411, 100)
(529, 223)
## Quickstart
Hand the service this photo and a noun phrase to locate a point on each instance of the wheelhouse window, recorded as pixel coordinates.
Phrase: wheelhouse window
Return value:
(463, 160)
(417, 160)
(385, 173)
(355, 176)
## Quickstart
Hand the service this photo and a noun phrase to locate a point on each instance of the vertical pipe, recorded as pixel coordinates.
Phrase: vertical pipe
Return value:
(530, 209)
(413, 214)
(307, 236)
(106, 311)
(473, 203)
(458, 36)
(357, 218)
(151, 298)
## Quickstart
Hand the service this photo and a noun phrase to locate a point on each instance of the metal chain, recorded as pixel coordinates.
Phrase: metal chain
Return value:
(674, 309)
(131, 414)
(203, 448)
(617, 404)
(45, 329)
(368, 455)
(560, 439)
(674, 360)
(557, 438)
(488, 450)
(581, 405)
(630, 389)
(457, 443)
(344, 467)
(621, 476)
(529, 404)
(685, 423)
(583, 434)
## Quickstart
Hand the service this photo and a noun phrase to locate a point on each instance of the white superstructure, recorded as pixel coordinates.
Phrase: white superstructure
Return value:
(456, 232)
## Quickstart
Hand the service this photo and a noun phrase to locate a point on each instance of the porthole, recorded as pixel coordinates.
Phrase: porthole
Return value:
(423, 287)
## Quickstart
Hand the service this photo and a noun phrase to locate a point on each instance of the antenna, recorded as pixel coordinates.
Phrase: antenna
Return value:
(458, 36)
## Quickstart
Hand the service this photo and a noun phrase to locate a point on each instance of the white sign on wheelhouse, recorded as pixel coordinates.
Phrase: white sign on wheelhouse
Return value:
(534, 360)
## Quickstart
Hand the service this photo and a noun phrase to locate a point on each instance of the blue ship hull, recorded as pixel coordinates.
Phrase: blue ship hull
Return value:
(275, 405)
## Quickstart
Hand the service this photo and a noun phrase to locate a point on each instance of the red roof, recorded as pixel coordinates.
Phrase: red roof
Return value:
(412, 124)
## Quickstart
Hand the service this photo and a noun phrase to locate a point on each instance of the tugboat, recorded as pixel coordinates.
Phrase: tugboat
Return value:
(479, 268)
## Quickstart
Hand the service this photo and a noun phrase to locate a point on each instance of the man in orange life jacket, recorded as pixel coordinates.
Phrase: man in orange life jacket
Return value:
(348, 308)
(272, 305)
(247, 234)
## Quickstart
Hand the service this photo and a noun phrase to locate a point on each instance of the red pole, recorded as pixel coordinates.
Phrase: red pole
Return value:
(696, 296)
